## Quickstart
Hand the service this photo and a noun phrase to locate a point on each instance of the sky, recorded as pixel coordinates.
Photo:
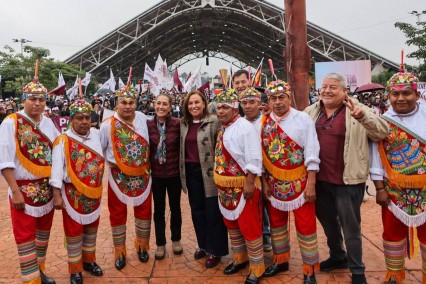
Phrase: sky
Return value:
(67, 26)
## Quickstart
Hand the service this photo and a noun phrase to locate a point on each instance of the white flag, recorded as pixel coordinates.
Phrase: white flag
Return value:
(152, 78)
(110, 84)
(194, 80)
(148, 74)
(120, 83)
(158, 65)
(85, 82)
(61, 80)
(73, 91)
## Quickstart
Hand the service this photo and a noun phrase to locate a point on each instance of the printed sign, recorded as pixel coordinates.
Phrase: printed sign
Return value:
(61, 123)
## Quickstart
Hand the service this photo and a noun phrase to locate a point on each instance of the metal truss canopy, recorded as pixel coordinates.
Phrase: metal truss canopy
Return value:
(184, 30)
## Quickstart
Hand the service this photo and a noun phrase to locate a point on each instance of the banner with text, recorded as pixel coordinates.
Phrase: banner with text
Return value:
(357, 72)
(421, 88)
(61, 123)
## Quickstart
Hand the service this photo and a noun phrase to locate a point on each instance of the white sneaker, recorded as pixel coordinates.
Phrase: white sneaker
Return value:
(177, 247)
(160, 252)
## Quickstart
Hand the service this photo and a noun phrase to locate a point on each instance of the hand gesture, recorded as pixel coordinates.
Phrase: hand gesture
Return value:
(265, 109)
(266, 190)
(248, 190)
(309, 192)
(356, 111)
(383, 198)
(58, 201)
(18, 201)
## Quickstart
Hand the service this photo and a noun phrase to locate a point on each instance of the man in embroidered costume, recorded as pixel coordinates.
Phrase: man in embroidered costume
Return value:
(398, 170)
(76, 178)
(125, 142)
(238, 160)
(250, 102)
(290, 151)
(25, 162)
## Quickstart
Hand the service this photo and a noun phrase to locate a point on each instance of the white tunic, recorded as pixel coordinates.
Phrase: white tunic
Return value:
(9, 159)
(243, 143)
(140, 124)
(60, 174)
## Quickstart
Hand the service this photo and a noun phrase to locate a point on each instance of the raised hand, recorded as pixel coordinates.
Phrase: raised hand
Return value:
(356, 111)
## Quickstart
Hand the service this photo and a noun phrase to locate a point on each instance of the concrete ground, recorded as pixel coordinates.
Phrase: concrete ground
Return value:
(183, 268)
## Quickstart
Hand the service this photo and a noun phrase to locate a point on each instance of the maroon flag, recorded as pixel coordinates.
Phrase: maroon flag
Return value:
(177, 81)
(205, 89)
(61, 123)
(57, 91)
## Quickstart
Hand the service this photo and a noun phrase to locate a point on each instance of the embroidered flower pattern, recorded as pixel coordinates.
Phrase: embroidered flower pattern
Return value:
(33, 145)
(132, 149)
(82, 203)
(227, 167)
(280, 148)
(284, 190)
(87, 166)
(410, 200)
(229, 197)
(407, 156)
(25, 134)
(37, 192)
(130, 185)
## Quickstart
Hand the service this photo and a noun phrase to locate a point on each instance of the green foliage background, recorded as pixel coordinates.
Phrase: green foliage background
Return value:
(18, 69)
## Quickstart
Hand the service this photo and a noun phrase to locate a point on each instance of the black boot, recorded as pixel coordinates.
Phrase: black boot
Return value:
(274, 269)
(120, 262)
(76, 278)
(93, 268)
(234, 268)
(45, 279)
(309, 279)
(143, 255)
(251, 279)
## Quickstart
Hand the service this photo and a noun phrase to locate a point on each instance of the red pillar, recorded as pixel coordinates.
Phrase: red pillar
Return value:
(297, 53)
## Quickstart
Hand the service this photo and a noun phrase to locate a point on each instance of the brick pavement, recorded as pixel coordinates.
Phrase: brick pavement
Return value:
(184, 269)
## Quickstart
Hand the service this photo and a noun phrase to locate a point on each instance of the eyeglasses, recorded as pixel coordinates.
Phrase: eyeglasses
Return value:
(326, 125)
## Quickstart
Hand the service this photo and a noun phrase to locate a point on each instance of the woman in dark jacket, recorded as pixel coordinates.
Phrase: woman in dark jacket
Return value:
(164, 135)
(198, 138)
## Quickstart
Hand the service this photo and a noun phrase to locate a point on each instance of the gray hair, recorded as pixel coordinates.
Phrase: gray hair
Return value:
(339, 77)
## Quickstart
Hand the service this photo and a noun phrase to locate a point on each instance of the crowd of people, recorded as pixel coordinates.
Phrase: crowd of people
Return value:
(58, 105)
(244, 170)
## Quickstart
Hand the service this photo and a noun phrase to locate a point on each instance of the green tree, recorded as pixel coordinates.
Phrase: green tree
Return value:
(18, 69)
(382, 78)
(416, 35)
